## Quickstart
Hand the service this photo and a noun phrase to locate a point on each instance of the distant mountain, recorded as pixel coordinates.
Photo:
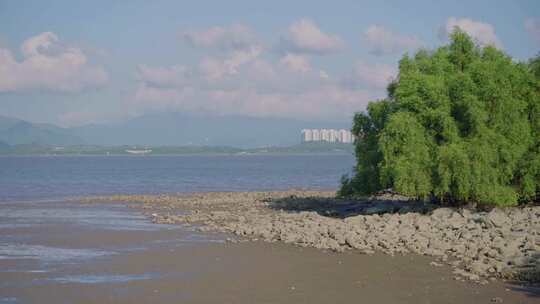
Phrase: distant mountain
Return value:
(167, 129)
(15, 132)
(180, 129)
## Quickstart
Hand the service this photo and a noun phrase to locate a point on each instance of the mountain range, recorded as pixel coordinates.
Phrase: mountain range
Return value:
(166, 129)
(14, 131)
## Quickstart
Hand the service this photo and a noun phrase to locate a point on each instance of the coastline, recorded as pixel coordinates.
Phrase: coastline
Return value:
(478, 246)
(105, 250)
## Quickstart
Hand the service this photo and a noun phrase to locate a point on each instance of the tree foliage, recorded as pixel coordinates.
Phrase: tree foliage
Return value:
(460, 124)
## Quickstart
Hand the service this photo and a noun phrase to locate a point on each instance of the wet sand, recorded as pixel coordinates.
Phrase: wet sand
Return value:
(101, 263)
(261, 273)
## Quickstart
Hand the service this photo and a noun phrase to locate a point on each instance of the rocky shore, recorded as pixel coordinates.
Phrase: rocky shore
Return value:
(480, 246)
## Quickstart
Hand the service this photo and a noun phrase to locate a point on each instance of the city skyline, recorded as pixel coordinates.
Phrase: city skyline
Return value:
(327, 135)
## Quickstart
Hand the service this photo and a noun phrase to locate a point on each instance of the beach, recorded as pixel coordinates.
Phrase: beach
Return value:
(294, 227)
(247, 272)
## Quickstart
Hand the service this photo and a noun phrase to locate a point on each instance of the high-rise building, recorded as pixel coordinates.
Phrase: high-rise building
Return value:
(328, 135)
(325, 135)
(316, 135)
(307, 135)
(334, 135)
(345, 136)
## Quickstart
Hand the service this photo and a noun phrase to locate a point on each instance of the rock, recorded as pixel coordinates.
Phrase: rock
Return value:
(466, 274)
(456, 221)
(435, 264)
(496, 300)
(442, 213)
(423, 223)
(479, 268)
(498, 218)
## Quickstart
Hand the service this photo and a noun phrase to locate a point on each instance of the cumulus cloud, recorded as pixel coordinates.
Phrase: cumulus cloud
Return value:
(48, 64)
(371, 76)
(164, 77)
(483, 33)
(232, 37)
(296, 63)
(533, 28)
(329, 101)
(214, 68)
(382, 41)
(237, 44)
(289, 87)
(304, 36)
(240, 79)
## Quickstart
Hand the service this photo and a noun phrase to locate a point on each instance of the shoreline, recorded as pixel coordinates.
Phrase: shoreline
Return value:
(107, 251)
(479, 246)
(337, 153)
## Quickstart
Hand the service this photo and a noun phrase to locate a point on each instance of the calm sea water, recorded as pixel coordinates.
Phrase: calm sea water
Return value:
(53, 177)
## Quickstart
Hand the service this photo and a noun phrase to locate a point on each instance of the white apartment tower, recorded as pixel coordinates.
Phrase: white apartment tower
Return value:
(316, 135)
(334, 135)
(327, 135)
(345, 136)
(307, 135)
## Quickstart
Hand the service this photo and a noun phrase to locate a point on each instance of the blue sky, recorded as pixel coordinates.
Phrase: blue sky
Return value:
(74, 62)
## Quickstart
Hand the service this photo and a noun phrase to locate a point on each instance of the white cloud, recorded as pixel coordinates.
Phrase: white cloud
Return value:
(371, 76)
(239, 79)
(304, 36)
(382, 41)
(533, 28)
(48, 65)
(483, 33)
(325, 102)
(238, 46)
(39, 44)
(296, 63)
(214, 68)
(323, 74)
(286, 88)
(164, 76)
(233, 37)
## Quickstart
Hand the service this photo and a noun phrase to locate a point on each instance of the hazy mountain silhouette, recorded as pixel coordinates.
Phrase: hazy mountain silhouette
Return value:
(15, 131)
(197, 129)
(166, 129)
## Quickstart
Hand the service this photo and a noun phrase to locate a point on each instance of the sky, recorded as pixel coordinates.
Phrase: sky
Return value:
(73, 63)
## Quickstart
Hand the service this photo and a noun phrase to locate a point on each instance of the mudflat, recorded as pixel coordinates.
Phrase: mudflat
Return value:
(106, 252)
(258, 272)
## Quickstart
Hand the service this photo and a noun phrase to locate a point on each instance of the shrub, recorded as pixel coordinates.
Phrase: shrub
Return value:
(460, 124)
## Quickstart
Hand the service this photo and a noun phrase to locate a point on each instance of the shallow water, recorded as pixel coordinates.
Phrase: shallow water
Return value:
(46, 253)
(58, 242)
(99, 279)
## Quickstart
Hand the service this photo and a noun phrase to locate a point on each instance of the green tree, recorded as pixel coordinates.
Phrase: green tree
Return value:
(460, 124)
(534, 65)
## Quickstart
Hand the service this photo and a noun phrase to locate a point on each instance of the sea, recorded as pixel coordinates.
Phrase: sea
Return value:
(35, 178)
(50, 243)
